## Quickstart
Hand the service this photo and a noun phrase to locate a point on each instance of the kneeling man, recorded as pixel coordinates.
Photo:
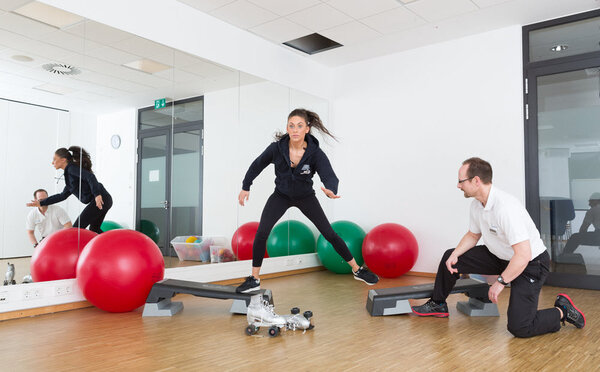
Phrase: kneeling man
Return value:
(513, 250)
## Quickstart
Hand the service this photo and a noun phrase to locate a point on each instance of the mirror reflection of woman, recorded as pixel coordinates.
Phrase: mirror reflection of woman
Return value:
(296, 156)
(81, 182)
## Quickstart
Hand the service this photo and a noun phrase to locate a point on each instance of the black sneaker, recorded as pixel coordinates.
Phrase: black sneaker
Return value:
(571, 313)
(431, 308)
(365, 275)
(251, 284)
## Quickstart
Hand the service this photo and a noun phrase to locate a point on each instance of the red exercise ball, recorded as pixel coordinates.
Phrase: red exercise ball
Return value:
(56, 256)
(390, 250)
(243, 239)
(117, 269)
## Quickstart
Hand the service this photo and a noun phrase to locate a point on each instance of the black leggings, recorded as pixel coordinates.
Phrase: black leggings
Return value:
(276, 207)
(92, 216)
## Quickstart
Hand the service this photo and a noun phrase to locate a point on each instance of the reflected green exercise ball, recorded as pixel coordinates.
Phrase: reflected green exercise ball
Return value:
(150, 229)
(110, 225)
(289, 238)
(353, 235)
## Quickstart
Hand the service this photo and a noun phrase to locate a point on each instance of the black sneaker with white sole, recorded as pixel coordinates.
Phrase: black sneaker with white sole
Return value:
(251, 284)
(365, 275)
(431, 308)
(571, 313)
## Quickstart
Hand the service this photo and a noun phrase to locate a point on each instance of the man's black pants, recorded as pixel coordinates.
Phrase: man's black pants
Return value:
(524, 319)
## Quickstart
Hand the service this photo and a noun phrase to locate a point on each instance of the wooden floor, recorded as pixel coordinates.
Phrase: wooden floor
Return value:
(206, 337)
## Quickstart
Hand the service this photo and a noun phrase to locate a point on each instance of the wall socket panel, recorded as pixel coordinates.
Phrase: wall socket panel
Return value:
(3, 297)
(63, 290)
(32, 294)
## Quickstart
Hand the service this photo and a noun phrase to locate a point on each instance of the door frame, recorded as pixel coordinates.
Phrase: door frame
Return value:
(169, 131)
(532, 70)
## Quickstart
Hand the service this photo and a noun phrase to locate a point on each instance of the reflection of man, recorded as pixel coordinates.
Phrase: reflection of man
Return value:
(583, 237)
(513, 250)
(46, 219)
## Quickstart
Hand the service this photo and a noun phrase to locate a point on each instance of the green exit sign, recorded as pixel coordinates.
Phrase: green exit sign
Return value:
(160, 103)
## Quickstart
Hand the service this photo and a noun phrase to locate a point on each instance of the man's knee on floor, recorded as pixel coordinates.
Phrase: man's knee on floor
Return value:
(520, 331)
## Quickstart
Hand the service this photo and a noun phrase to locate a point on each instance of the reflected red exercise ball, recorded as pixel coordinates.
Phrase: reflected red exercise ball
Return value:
(56, 256)
(243, 239)
(390, 250)
(117, 269)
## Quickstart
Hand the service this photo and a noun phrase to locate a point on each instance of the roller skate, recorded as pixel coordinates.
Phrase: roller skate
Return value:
(262, 314)
(296, 321)
(9, 277)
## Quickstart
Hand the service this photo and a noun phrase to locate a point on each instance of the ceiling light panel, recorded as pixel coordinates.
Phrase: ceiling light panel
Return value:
(48, 14)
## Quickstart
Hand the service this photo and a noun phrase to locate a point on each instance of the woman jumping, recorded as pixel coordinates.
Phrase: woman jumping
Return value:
(81, 182)
(296, 156)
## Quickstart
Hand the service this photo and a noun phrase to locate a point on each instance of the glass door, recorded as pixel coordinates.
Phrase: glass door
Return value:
(153, 189)
(567, 121)
(187, 181)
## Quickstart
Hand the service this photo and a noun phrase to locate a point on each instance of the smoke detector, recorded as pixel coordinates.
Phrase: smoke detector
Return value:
(61, 69)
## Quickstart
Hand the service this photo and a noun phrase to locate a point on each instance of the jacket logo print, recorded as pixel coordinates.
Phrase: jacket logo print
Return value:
(305, 169)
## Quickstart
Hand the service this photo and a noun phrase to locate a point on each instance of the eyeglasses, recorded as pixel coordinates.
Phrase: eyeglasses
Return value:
(466, 179)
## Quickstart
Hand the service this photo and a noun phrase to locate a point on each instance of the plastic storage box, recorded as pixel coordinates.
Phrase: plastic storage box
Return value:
(199, 250)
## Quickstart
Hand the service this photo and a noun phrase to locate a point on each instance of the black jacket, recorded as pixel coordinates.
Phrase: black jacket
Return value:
(90, 187)
(295, 182)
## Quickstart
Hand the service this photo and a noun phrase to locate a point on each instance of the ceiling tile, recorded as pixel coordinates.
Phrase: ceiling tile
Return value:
(285, 7)
(179, 76)
(281, 30)
(98, 32)
(350, 33)
(361, 8)
(393, 21)
(243, 14)
(112, 55)
(146, 48)
(319, 17)
(206, 5)
(24, 26)
(207, 69)
(182, 59)
(486, 3)
(70, 42)
(436, 10)
(10, 5)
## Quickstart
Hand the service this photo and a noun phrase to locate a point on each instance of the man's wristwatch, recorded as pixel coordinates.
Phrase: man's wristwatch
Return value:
(501, 280)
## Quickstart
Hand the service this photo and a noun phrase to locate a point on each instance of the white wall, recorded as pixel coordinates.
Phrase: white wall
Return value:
(116, 168)
(407, 121)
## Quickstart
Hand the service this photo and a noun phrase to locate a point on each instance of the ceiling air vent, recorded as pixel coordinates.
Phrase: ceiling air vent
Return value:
(61, 69)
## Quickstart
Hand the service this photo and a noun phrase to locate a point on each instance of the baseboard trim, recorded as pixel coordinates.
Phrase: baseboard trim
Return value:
(85, 304)
(44, 310)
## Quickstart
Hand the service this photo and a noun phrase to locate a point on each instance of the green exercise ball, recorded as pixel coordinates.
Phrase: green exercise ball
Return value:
(353, 235)
(150, 229)
(110, 225)
(289, 238)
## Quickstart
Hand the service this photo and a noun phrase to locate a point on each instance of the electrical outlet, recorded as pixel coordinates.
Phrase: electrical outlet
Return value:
(3, 297)
(37, 293)
(68, 290)
(27, 295)
(58, 291)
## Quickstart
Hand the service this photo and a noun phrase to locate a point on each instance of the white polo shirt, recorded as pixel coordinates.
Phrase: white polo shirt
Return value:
(502, 223)
(54, 219)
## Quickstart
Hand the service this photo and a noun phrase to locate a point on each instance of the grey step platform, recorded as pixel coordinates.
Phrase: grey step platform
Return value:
(391, 301)
(158, 302)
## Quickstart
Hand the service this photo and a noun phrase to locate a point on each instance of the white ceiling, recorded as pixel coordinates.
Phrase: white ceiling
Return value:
(371, 28)
(99, 52)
